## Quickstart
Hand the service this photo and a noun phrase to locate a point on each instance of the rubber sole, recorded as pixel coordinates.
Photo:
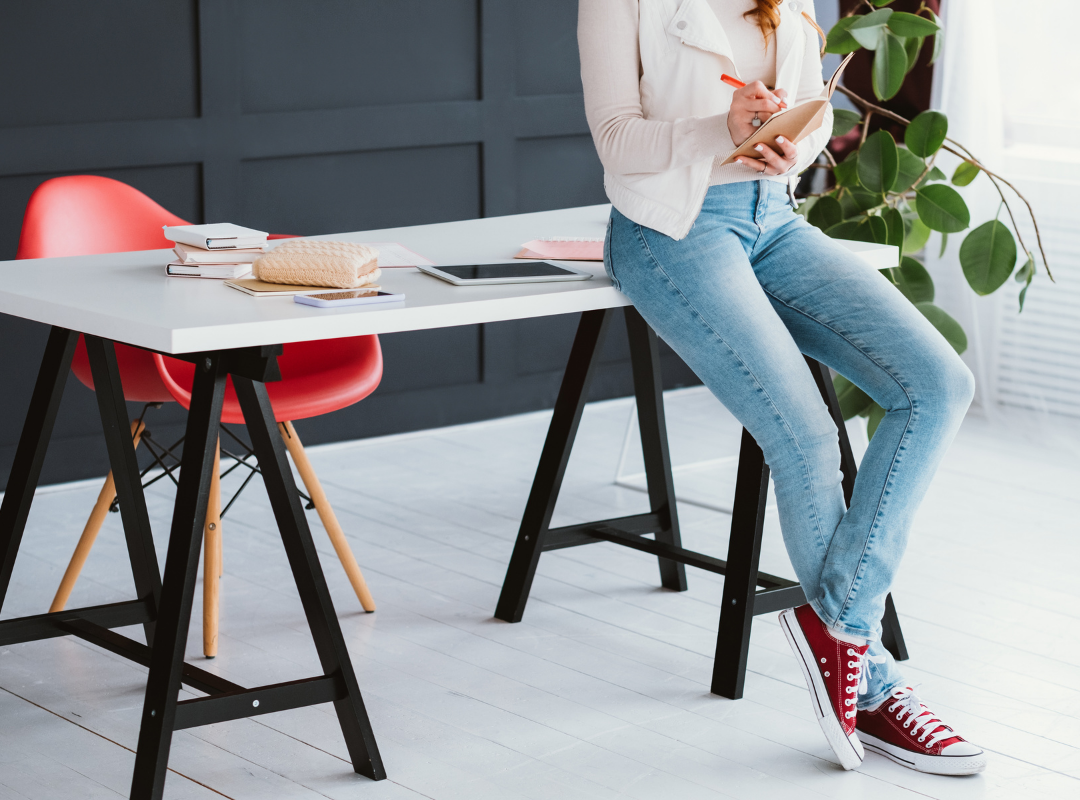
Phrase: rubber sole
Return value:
(935, 765)
(849, 750)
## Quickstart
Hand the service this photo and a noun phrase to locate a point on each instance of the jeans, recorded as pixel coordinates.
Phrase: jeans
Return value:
(751, 289)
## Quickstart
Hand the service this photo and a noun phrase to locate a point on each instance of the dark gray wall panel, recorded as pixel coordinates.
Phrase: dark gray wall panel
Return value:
(547, 52)
(177, 187)
(431, 359)
(312, 54)
(558, 172)
(355, 191)
(75, 61)
(310, 116)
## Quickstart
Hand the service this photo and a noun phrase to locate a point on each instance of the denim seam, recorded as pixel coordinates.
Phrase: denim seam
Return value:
(852, 589)
(757, 382)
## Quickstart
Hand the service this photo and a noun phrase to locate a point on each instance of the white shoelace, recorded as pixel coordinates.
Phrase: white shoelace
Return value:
(861, 667)
(919, 717)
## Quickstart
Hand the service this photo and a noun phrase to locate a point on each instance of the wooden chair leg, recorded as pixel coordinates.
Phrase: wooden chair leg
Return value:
(90, 532)
(212, 560)
(326, 514)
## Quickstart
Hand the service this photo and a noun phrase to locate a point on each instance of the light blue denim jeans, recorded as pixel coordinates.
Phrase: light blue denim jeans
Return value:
(750, 290)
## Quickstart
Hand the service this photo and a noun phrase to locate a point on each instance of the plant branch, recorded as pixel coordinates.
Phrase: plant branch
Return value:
(965, 154)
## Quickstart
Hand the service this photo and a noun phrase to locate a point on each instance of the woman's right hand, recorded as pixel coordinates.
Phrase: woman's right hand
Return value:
(753, 99)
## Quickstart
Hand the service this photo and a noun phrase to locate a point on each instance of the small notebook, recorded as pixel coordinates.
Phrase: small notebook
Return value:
(257, 288)
(219, 271)
(564, 249)
(794, 124)
(187, 254)
(215, 236)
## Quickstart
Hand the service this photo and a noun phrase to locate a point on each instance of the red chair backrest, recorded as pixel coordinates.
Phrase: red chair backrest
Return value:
(86, 214)
(79, 215)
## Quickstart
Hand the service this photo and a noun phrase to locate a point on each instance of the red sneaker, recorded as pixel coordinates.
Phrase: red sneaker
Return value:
(832, 670)
(909, 733)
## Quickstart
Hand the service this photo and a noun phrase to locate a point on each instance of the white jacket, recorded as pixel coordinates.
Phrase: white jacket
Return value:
(658, 141)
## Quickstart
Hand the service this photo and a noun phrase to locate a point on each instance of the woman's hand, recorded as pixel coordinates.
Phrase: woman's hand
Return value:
(753, 100)
(772, 162)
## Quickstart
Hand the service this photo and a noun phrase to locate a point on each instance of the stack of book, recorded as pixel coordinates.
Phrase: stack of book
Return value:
(223, 250)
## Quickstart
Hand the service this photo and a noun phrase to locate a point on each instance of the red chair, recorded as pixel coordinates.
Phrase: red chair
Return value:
(86, 214)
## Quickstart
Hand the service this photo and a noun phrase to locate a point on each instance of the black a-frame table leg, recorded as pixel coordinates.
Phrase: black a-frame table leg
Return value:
(748, 592)
(535, 534)
(163, 713)
(30, 453)
(93, 621)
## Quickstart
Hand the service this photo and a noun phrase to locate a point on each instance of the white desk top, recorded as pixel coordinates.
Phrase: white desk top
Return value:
(128, 298)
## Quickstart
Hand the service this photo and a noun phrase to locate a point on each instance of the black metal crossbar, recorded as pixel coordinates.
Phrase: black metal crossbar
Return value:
(748, 592)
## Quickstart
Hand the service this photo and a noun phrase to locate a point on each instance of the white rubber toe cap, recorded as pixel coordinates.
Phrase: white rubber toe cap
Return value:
(962, 749)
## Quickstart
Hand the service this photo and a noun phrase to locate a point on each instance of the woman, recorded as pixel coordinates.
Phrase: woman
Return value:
(716, 260)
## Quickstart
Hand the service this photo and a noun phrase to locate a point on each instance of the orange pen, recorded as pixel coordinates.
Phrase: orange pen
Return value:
(730, 81)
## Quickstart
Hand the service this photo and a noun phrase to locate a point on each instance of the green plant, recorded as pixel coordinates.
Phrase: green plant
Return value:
(892, 193)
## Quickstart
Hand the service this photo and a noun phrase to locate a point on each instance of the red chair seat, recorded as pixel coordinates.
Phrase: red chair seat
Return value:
(316, 378)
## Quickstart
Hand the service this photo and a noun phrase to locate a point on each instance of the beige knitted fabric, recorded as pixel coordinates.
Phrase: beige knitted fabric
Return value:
(302, 262)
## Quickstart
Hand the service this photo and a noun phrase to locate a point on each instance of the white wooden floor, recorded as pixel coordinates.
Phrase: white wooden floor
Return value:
(602, 691)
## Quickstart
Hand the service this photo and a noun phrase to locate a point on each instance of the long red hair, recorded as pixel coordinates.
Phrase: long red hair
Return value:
(767, 15)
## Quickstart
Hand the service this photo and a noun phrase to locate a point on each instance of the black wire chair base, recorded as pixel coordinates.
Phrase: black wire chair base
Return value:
(166, 458)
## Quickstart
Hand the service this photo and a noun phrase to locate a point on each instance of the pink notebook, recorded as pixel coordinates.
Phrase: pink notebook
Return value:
(564, 249)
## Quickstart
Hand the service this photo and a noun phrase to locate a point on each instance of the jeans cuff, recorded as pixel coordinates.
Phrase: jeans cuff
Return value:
(878, 698)
(830, 622)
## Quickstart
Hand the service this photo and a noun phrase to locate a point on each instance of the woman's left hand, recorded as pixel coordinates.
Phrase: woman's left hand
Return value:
(771, 162)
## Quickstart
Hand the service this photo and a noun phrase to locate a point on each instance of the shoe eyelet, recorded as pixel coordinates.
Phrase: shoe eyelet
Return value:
(826, 674)
(912, 733)
(824, 661)
(928, 746)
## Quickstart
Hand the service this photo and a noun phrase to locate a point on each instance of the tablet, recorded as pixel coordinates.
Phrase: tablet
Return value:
(517, 272)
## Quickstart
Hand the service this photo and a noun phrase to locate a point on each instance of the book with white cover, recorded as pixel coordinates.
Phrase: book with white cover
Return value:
(186, 254)
(216, 236)
(219, 271)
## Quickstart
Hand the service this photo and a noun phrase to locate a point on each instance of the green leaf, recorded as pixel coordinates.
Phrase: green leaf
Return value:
(878, 163)
(988, 257)
(890, 66)
(965, 173)
(844, 121)
(1025, 275)
(839, 40)
(857, 201)
(894, 226)
(917, 236)
(942, 208)
(826, 213)
(874, 418)
(869, 30)
(1026, 272)
(868, 229)
(911, 26)
(927, 133)
(853, 400)
(946, 326)
(911, 167)
(846, 172)
(939, 40)
(912, 47)
(935, 174)
(944, 245)
(912, 279)
(880, 3)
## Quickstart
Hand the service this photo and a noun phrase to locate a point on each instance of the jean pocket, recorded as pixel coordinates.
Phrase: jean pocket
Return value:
(608, 266)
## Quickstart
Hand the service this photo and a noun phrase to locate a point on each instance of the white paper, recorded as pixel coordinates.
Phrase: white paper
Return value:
(392, 254)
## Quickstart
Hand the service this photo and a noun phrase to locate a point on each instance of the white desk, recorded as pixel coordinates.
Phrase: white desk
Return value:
(127, 298)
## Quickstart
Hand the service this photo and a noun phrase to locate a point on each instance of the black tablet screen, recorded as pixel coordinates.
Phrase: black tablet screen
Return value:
(526, 269)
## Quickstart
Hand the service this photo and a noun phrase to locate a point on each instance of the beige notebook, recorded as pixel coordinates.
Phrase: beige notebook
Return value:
(794, 124)
(257, 288)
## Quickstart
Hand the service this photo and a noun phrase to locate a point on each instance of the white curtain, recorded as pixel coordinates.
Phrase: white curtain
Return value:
(968, 90)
